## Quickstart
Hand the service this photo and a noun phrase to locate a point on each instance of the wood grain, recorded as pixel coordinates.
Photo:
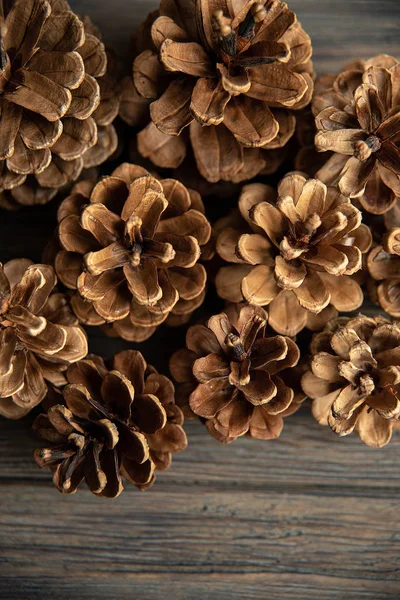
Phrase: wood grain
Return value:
(307, 516)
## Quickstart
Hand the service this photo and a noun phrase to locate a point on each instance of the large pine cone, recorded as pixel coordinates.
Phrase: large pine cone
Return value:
(111, 423)
(293, 252)
(39, 336)
(235, 375)
(130, 247)
(355, 378)
(233, 72)
(357, 116)
(57, 102)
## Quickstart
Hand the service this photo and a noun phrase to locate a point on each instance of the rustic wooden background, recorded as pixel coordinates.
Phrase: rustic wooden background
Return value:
(307, 516)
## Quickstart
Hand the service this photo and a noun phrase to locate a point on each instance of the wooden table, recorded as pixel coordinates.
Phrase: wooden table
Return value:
(309, 516)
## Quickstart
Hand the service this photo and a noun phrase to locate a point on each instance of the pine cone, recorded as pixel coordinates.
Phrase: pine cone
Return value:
(39, 337)
(51, 99)
(355, 376)
(358, 118)
(118, 422)
(292, 252)
(181, 367)
(239, 371)
(384, 268)
(130, 246)
(235, 225)
(233, 72)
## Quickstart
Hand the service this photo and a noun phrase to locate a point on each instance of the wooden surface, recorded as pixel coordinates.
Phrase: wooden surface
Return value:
(307, 516)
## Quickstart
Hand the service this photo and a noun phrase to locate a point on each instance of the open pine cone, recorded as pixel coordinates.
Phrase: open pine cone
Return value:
(232, 71)
(55, 100)
(39, 336)
(384, 268)
(112, 423)
(357, 116)
(296, 253)
(130, 247)
(355, 378)
(240, 385)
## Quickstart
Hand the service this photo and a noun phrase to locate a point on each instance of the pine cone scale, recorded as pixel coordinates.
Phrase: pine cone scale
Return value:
(41, 95)
(65, 68)
(109, 428)
(10, 123)
(13, 379)
(23, 28)
(284, 87)
(64, 32)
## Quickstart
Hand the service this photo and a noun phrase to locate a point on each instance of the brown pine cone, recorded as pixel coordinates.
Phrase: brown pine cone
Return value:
(119, 422)
(292, 252)
(235, 225)
(57, 102)
(354, 379)
(384, 267)
(130, 247)
(39, 336)
(232, 71)
(236, 376)
(358, 119)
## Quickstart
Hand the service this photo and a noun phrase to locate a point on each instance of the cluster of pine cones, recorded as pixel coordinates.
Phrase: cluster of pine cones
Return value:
(195, 229)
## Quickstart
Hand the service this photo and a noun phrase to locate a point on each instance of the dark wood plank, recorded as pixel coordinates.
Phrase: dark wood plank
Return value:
(307, 516)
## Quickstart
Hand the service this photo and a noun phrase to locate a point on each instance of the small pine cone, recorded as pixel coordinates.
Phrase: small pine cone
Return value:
(236, 376)
(39, 336)
(130, 247)
(292, 251)
(232, 73)
(357, 118)
(56, 100)
(112, 423)
(384, 267)
(354, 379)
